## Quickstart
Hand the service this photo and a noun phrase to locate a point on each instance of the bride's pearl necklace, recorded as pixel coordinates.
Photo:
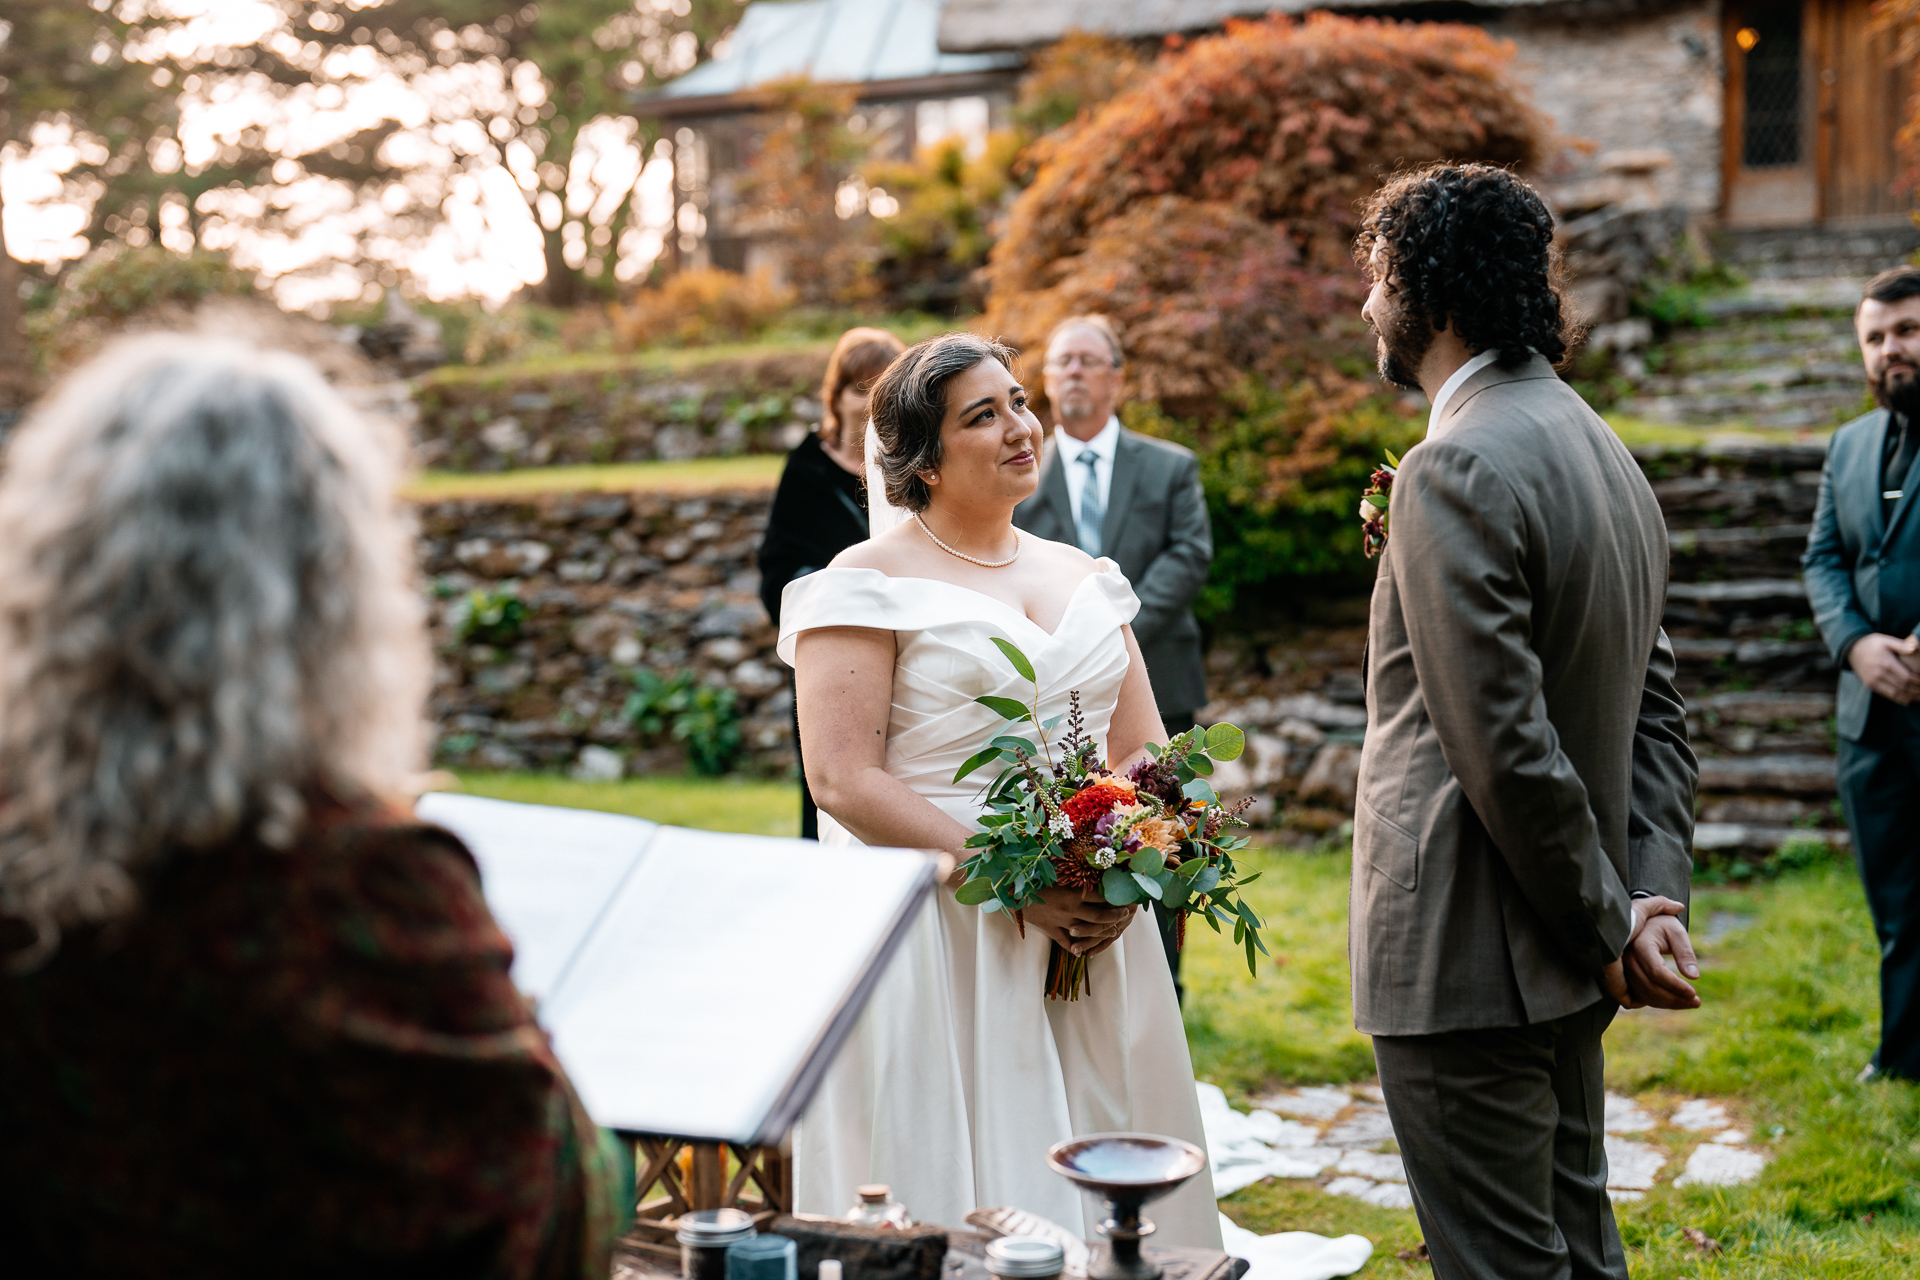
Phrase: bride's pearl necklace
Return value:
(984, 564)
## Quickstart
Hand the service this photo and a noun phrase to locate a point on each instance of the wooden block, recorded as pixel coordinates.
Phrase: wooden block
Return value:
(867, 1253)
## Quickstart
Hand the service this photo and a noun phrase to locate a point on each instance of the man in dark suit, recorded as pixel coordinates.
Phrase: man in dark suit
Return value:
(1863, 579)
(1136, 500)
(1520, 844)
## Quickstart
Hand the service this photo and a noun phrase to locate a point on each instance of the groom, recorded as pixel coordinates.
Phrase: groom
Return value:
(1520, 845)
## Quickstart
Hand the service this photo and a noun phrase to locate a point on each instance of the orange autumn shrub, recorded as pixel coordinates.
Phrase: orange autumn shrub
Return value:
(1210, 209)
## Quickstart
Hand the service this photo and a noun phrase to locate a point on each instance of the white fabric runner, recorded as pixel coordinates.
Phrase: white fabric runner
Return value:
(1243, 1149)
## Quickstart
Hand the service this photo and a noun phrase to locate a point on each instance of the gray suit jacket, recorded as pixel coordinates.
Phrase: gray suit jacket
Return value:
(1157, 531)
(1526, 766)
(1863, 568)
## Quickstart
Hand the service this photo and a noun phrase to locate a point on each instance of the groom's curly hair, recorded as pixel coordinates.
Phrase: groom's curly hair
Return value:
(1470, 246)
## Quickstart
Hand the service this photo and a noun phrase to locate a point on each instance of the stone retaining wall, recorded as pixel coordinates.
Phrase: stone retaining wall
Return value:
(615, 410)
(612, 584)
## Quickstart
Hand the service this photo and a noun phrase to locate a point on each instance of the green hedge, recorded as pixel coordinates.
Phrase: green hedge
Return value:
(1275, 540)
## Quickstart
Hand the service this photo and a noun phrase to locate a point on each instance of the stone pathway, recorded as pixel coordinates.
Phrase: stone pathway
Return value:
(1339, 1137)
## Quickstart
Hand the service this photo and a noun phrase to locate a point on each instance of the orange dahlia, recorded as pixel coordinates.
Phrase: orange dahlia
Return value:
(1088, 806)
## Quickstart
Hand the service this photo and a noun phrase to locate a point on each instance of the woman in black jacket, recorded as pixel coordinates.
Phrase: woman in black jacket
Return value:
(820, 508)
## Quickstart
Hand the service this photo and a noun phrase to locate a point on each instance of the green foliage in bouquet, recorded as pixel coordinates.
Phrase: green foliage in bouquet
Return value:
(1056, 816)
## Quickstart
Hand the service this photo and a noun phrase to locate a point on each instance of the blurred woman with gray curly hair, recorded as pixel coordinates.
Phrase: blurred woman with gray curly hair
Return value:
(256, 1016)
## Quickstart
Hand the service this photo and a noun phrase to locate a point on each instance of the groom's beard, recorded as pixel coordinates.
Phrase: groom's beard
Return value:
(1899, 395)
(1403, 345)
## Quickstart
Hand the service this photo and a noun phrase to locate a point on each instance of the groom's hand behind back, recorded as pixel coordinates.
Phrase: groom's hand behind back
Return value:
(1642, 969)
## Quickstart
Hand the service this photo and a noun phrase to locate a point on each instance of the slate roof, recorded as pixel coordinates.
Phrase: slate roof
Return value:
(974, 26)
(837, 41)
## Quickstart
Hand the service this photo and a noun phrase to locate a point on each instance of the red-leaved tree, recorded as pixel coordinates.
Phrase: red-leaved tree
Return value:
(1210, 209)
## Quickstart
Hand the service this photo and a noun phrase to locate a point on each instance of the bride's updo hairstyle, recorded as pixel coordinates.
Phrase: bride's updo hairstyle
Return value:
(910, 402)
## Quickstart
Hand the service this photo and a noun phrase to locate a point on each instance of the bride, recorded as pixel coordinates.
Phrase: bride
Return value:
(961, 1073)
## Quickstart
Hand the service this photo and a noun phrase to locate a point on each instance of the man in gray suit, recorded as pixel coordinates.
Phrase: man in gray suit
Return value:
(1863, 579)
(1520, 846)
(1136, 500)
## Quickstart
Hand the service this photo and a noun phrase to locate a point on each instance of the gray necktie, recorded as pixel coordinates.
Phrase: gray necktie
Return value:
(1092, 511)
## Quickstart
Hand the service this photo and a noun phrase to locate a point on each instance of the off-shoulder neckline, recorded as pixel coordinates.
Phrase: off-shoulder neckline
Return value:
(974, 591)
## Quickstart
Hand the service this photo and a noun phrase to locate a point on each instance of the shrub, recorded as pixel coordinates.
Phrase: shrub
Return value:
(702, 716)
(931, 248)
(490, 617)
(1283, 474)
(696, 307)
(1074, 74)
(1210, 210)
(116, 283)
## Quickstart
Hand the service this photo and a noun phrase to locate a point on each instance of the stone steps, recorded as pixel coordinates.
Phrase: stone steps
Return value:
(1794, 253)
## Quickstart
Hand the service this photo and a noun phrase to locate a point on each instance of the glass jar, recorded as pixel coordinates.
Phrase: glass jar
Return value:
(768, 1257)
(1025, 1258)
(704, 1237)
(878, 1208)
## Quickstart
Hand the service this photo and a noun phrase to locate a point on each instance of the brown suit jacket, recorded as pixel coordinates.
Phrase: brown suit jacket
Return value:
(1526, 766)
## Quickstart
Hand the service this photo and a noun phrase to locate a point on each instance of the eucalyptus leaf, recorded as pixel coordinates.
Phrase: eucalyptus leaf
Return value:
(1224, 742)
(1052, 724)
(1177, 891)
(1252, 968)
(1149, 861)
(974, 892)
(1118, 887)
(1017, 658)
(1007, 708)
(1201, 790)
(1153, 749)
(1148, 885)
(1206, 880)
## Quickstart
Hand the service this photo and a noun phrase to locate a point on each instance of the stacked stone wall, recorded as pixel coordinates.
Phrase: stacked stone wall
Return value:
(611, 584)
(1617, 80)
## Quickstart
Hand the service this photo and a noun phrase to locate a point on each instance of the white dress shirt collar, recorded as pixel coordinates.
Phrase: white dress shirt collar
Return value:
(1106, 442)
(1453, 384)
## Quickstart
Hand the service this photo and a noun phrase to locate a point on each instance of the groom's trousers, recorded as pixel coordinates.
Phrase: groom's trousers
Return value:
(1503, 1130)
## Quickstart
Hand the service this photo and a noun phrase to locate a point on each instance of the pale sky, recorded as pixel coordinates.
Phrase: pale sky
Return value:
(299, 233)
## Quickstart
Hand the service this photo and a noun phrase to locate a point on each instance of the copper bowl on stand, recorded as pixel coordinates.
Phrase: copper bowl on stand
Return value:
(1128, 1171)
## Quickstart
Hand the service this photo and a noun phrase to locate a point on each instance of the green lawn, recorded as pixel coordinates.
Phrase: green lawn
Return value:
(713, 804)
(1636, 432)
(695, 475)
(1791, 1012)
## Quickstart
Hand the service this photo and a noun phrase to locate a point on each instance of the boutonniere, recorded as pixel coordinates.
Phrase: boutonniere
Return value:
(1373, 507)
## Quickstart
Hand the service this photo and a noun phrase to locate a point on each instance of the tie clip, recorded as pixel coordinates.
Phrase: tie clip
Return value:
(1892, 494)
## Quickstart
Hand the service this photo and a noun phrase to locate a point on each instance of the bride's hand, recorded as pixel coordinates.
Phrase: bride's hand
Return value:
(1078, 920)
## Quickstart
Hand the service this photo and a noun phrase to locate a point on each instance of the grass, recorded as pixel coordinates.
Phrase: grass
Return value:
(1791, 1012)
(814, 334)
(695, 475)
(1637, 432)
(755, 806)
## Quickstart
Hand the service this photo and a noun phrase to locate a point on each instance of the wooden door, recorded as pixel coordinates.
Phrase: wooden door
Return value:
(1769, 174)
(1812, 106)
(1859, 99)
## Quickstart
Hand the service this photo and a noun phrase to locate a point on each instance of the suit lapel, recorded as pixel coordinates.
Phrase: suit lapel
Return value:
(1877, 522)
(1126, 475)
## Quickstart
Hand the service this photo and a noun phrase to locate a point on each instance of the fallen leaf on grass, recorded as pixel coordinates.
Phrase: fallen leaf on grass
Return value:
(1416, 1254)
(1700, 1240)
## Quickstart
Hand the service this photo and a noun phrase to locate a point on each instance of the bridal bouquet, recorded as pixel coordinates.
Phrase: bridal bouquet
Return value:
(1057, 816)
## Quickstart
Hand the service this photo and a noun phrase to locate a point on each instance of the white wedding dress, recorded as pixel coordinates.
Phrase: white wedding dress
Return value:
(961, 1073)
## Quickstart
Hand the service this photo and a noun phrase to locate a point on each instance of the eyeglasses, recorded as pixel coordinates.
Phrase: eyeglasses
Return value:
(1075, 359)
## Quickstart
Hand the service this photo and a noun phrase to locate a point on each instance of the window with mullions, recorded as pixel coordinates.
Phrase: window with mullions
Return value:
(1772, 117)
